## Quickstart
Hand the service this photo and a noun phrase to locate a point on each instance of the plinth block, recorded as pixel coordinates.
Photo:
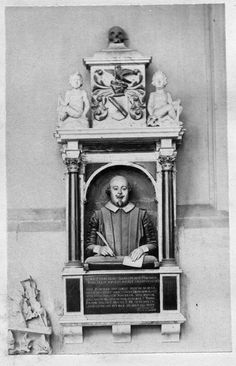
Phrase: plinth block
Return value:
(121, 333)
(73, 334)
(170, 332)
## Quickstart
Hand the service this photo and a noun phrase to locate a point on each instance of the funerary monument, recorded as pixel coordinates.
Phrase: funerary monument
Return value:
(119, 146)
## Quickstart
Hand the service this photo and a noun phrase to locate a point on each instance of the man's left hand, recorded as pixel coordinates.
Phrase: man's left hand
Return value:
(137, 253)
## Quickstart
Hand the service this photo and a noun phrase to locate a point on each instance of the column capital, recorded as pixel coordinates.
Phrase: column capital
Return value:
(75, 164)
(72, 165)
(167, 161)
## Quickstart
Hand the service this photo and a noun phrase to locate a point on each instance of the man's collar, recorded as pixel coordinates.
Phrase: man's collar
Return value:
(115, 208)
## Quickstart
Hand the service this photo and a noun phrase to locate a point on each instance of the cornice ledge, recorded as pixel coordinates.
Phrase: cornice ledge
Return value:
(142, 134)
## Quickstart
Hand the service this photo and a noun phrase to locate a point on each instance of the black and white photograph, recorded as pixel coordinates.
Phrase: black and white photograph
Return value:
(117, 180)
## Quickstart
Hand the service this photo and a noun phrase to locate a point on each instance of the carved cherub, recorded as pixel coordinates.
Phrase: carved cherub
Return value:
(161, 107)
(75, 106)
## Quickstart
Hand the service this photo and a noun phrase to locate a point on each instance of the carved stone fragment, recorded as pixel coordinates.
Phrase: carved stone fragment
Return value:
(29, 325)
(41, 345)
(32, 307)
(24, 344)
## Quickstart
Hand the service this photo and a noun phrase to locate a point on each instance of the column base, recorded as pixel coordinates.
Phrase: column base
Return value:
(76, 263)
(168, 262)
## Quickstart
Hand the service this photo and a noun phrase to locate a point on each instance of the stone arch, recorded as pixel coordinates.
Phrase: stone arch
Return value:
(111, 165)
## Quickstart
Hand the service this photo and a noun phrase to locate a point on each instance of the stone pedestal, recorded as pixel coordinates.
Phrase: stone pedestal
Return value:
(167, 313)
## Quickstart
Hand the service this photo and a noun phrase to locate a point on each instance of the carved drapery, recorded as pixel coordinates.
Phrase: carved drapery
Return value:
(168, 206)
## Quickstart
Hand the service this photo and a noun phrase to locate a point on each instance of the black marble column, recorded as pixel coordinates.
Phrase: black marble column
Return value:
(73, 212)
(168, 230)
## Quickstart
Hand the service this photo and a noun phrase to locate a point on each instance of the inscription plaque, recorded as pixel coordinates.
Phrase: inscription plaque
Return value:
(121, 293)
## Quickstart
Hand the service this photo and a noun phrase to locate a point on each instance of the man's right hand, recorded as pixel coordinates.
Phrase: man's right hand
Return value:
(103, 250)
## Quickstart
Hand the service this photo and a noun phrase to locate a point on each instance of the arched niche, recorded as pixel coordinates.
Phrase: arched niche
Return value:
(143, 193)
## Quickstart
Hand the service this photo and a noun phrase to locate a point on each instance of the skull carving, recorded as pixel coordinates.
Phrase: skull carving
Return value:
(117, 35)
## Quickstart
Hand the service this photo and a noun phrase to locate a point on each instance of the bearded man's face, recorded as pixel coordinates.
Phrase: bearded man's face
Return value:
(119, 191)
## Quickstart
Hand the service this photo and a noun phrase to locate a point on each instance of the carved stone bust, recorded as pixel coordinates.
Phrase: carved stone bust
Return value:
(120, 228)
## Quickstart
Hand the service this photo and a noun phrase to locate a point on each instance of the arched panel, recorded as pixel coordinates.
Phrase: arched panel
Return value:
(143, 193)
(113, 165)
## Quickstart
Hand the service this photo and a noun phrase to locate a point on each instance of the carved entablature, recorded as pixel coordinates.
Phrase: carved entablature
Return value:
(118, 86)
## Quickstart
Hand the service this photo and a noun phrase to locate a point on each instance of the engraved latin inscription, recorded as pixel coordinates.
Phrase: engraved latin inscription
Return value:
(124, 293)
